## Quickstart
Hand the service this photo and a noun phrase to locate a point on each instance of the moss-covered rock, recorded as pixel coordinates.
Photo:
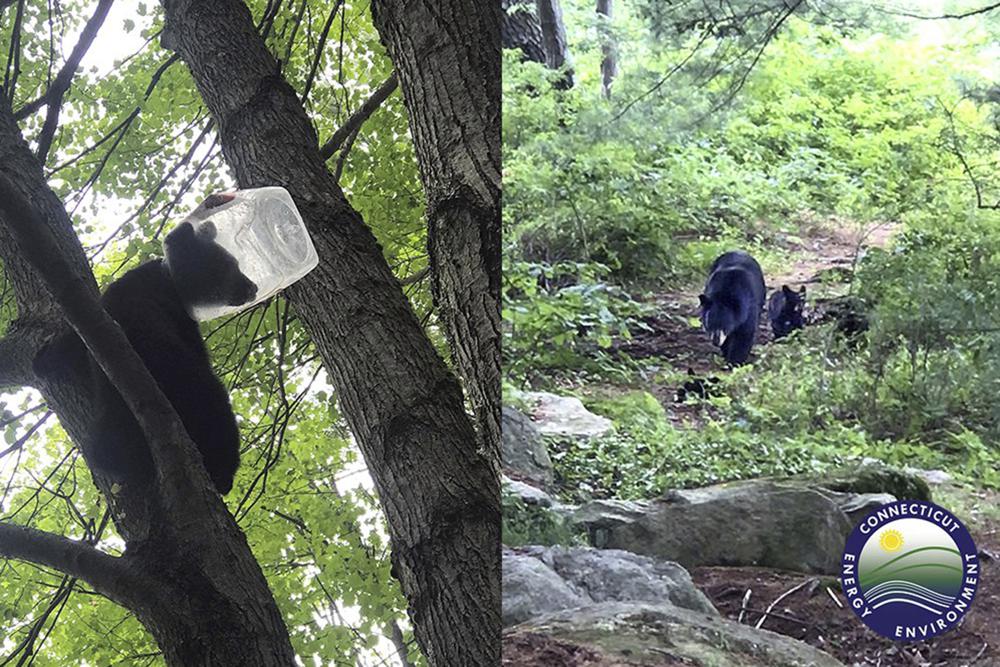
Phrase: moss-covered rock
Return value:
(876, 477)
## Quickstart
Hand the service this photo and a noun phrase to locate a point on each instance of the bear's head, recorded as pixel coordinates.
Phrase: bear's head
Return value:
(784, 309)
(721, 315)
(205, 273)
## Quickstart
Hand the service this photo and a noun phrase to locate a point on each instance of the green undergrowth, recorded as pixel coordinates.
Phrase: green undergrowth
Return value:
(530, 524)
(768, 419)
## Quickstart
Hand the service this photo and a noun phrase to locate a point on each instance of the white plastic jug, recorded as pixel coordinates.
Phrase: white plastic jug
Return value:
(263, 230)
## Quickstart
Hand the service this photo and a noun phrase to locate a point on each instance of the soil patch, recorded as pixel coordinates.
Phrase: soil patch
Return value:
(810, 614)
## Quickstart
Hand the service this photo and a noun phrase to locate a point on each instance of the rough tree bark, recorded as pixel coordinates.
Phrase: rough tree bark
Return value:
(188, 574)
(451, 88)
(553, 32)
(439, 490)
(609, 62)
(536, 27)
(522, 30)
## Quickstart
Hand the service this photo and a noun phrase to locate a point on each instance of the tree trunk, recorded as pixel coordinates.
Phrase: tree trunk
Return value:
(439, 490)
(522, 30)
(609, 62)
(198, 625)
(451, 87)
(550, 18)
(538, 30)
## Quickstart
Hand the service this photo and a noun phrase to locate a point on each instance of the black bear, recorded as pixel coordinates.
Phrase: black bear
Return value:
(151, 304)
(731, 304)
(697, 387)
(784, 309)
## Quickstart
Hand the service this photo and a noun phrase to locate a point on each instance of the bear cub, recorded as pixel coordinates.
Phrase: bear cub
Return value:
(731, 304)
(784, 309)
(151, 304)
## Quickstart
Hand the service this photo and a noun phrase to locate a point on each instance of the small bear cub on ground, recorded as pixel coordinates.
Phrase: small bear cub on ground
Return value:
(784, 309)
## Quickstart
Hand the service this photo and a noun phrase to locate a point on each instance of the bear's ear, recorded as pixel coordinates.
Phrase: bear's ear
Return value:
(787, 290)
(704, 300)
(184, 229)
(207, 231)
(181, 233)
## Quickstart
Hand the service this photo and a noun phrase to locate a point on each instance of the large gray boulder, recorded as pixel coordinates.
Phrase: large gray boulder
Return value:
(565, 416)
(759, 522)
(530, 588)
(528, 494)
(858, 505)
(523, 452)
(630, 634)
(537, 580)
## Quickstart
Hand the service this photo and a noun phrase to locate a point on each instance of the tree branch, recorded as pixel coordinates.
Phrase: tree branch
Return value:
(109, 575)
(54, 95)
(961, 15)
(358, 118)
(13, 70)
(345, 150)
(956, 150)
(20, 442)
(319, 49)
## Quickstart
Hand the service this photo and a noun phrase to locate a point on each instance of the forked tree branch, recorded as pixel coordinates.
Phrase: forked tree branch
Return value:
(54, 95)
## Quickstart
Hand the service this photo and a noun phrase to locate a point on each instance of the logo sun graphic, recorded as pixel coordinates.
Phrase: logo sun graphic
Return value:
(891, 540)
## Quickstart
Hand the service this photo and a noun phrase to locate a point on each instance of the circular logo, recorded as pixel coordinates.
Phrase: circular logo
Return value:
(910, 570)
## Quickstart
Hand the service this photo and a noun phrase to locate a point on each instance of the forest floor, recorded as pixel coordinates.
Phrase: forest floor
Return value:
(824, 256)
(821, 255)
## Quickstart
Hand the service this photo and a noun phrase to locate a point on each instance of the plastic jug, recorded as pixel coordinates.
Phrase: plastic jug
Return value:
(263, 230)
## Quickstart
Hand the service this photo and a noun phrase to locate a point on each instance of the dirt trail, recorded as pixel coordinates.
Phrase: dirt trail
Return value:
(673, 333)
(828, 248)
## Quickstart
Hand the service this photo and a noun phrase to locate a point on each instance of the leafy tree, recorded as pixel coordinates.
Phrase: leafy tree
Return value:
(134, 141)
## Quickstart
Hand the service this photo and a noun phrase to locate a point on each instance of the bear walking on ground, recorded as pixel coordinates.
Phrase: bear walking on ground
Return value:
(151, 304)
(784, 309)
(731, 304)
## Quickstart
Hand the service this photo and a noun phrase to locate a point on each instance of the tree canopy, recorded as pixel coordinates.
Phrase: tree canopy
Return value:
(129, 146)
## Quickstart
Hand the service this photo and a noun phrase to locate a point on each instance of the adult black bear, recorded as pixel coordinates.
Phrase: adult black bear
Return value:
(731, 304)
(784, 309)
(151, 304)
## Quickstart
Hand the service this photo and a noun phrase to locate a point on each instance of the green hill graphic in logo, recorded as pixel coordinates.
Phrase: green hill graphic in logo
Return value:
(912, 563)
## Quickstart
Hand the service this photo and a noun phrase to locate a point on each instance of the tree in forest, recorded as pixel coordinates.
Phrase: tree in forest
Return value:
(521, 29)
(537, 29)
(609, 57)
(187, 572)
